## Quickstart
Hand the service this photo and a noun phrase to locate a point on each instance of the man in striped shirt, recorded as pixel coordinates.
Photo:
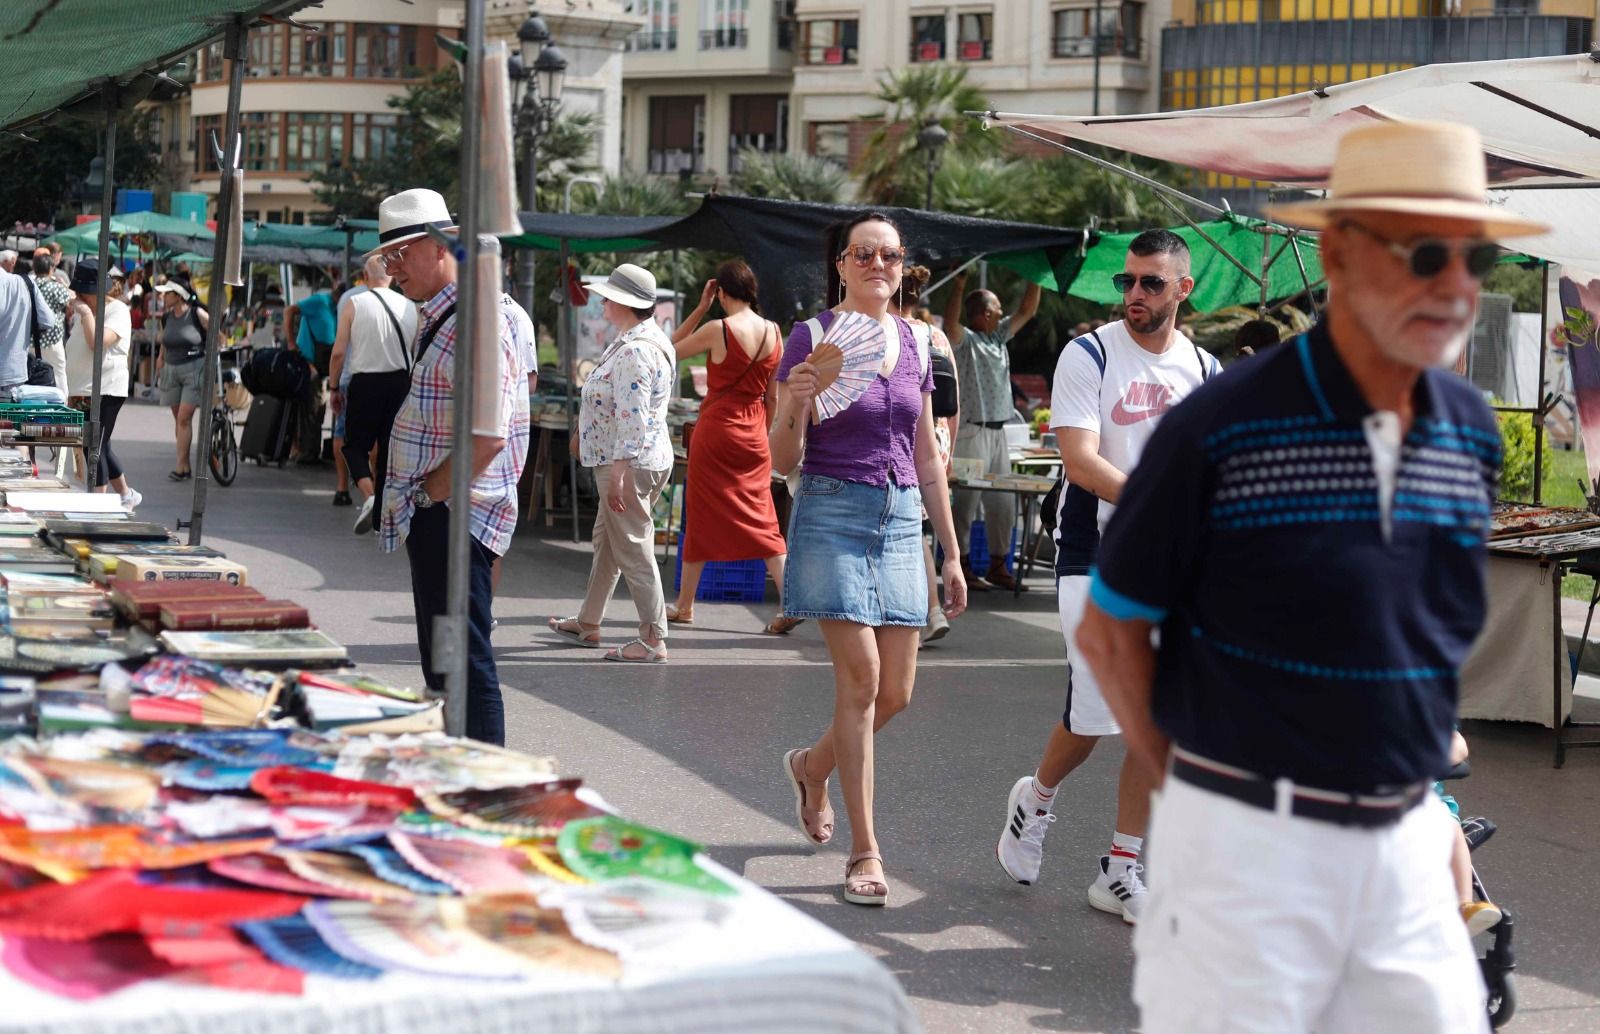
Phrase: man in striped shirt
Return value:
(416, 505)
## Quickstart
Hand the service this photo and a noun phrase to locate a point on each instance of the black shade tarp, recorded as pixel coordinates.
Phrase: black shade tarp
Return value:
(783, 242)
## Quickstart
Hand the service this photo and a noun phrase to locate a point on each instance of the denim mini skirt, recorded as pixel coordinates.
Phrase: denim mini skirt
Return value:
(855, 554)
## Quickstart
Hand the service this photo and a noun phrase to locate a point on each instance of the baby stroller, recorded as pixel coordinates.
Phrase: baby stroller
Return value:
(1496, 959)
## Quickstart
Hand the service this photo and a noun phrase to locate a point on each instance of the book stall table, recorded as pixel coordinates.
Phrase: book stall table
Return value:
(210, 823)
(1028, 491)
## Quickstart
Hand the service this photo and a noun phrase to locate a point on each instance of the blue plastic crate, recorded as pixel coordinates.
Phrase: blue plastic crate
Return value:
(727, 581)
(978, 550)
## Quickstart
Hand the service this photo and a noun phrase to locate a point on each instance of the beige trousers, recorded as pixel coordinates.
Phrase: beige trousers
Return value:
(625, 544)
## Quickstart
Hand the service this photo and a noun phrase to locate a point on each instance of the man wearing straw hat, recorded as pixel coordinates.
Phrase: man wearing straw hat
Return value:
(1307, 534)
(416, 494)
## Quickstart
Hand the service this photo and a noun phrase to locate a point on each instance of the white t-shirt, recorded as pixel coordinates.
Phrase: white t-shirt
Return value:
(114, 364)
(374, 346)
(1124, 404)
(530, 355)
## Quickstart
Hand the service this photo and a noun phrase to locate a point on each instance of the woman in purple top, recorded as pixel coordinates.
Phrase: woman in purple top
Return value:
(855, 546)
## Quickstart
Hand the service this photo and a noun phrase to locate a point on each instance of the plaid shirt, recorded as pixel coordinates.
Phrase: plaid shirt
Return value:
(422, 437)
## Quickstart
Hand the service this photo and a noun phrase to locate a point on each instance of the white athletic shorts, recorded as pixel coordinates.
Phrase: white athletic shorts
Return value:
(1261, 923)
(1086, 712)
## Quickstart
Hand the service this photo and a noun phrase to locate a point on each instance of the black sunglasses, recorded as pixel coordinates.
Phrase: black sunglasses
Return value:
(1153, 285)
(1429, 257)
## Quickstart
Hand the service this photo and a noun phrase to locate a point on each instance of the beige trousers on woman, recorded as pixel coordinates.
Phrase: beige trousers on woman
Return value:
(625, 544)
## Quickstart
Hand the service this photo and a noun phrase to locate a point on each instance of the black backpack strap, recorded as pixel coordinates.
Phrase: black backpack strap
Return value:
(1200, 357)
(1097, 351)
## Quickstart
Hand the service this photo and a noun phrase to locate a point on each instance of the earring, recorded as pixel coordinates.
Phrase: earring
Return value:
(841, 290)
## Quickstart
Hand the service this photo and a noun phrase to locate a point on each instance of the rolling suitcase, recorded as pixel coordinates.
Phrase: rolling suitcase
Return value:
(267, 430)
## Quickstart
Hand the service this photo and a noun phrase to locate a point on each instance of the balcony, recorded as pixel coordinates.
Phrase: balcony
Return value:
(648, 40)
(975, 50)
(1110, 45)
(829, 55)
(725, 39)
(1395, 42)
(923, 51)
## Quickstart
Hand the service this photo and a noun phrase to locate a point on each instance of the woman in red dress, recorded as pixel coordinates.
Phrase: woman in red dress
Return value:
(728, 510)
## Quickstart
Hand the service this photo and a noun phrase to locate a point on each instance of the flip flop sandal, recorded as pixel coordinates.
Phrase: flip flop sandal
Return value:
(179, 475)
(781, 625)
(817, 824)
(575, 635)
(652, 654)
(679, 617)
(865, 890)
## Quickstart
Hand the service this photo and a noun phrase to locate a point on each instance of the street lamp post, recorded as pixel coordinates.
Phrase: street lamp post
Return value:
(931, 141)
(538, 74)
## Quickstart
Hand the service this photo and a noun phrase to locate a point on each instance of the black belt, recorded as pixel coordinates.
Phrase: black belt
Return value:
(993, 425)
(1370, 811)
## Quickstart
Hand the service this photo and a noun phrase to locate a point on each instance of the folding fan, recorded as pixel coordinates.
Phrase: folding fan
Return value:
(293, 941)
(847, 359)
(408, 936)
(467, 866)
(537, 810)
(518, 924)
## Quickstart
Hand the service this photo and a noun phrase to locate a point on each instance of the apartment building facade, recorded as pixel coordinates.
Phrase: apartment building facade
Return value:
(704, 78)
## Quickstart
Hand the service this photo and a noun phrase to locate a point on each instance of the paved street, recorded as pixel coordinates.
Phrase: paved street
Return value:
(694, 747)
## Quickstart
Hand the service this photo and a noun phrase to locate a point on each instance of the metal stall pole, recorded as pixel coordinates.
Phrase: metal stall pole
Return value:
(567, 342)
(235, 50)
(1541, 409)
(91, 432)
(450, 631)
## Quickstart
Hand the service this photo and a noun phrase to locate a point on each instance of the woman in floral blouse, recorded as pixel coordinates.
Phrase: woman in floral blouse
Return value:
(623, 438)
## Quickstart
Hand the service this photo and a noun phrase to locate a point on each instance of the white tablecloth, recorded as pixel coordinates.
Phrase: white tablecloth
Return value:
(1509, 675)
(767, 968)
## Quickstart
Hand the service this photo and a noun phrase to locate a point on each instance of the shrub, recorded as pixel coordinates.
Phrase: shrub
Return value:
(1516, 471)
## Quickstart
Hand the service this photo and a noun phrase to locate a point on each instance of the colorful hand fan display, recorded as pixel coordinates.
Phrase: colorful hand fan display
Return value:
(848, 359)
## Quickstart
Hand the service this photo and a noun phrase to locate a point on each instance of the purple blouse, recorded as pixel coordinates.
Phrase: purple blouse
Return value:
(875, 438)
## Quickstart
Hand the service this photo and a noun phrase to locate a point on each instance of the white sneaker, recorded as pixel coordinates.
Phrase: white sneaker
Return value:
(364, 518)
(1124, 896)
(938, 625)
(131, 500)
(1021, 848)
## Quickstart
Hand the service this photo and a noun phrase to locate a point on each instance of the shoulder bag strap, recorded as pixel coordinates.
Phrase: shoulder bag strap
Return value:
(33, 315)
(394, 321)
(427, 336)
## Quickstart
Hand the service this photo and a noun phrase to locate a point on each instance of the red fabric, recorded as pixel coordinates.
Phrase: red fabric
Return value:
(728, 511)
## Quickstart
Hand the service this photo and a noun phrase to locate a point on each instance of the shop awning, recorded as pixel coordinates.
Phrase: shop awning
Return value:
(1538, 118)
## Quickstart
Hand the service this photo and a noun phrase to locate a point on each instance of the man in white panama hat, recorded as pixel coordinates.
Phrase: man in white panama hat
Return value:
(1307, 534)
(416, 493)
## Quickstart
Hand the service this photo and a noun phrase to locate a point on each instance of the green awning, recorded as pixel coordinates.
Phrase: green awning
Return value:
(57, 52)
(171, 232)
(1218, 283)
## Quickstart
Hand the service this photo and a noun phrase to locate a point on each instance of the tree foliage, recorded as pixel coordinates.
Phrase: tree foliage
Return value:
(890, 168)
(789, 177)
(44, 173)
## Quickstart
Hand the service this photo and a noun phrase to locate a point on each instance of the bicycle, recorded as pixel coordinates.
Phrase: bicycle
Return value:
(224, 451)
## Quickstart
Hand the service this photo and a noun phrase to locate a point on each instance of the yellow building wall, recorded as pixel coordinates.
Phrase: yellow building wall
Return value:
(1227, 12)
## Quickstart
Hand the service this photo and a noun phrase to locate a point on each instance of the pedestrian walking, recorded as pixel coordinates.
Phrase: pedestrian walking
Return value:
(416, 501)
(728, 509)
(25, 317)
(946, 417)
(855, 557)
(981, 332)
(623, 438)
(180, 363)
(1307, 534)
(1112, 387)
(312, 324)
(372, 358)
(116, 337)
(57, 296)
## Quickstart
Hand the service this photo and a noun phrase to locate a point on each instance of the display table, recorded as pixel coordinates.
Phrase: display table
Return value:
(1027, 498)
(766, 968)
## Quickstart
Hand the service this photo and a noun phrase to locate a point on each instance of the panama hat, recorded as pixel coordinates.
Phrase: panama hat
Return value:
(1409, 168)
(407, 215)
(630, 285)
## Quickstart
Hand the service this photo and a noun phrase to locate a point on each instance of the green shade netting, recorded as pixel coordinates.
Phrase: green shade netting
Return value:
(85, 237)
(1218, 283)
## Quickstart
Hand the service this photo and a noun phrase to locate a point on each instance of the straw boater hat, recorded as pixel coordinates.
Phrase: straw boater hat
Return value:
(1409, 168)
(407, 215)
(630, 285)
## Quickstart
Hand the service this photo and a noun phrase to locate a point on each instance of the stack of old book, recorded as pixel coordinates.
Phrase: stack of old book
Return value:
(202, 605)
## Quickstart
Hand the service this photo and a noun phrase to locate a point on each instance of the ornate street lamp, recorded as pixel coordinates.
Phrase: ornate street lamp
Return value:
(931, 141)
(538, 73)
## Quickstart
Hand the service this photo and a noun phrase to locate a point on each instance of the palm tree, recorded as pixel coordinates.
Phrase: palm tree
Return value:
(915, 97)
(789, 177)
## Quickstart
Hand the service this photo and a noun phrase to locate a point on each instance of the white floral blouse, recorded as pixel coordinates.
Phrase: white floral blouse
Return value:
(624, 413)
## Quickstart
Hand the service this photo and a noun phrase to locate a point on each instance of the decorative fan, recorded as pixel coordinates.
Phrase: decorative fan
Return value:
(467, 866)
(847, 359)
(537, 810)
(519, 924)
(410, 937)
(293, 941)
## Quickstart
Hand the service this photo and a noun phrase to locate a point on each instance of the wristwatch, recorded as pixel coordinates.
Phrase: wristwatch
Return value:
(421, 499)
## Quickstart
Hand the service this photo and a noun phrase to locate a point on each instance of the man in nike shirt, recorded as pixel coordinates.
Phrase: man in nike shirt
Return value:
(1112, 386)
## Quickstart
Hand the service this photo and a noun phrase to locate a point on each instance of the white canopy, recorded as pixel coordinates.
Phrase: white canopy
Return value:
(1537, 117)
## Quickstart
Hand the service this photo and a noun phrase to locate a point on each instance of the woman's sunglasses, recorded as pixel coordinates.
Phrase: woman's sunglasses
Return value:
(863, 255)
(1429, 257)
(1153, 285)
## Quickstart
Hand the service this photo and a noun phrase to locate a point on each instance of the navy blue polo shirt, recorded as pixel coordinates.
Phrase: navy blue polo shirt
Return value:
(1296, 640)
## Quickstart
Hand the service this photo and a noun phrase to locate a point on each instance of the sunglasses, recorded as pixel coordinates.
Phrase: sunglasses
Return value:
(863, 255)
(1429, 257)
(392, 259)
(1153, 285)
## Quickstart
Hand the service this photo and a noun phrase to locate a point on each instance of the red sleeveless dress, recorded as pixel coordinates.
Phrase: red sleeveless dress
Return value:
(728, 511)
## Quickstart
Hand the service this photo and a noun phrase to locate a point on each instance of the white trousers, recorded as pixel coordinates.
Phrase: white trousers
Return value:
(1264, 923)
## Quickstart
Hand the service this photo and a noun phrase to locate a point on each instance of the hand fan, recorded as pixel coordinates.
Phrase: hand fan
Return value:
(83, 970)
(388, 864)
(292, 941)
(537, 810)
(848, 358)
(469, 867)
(610, 848)
(272, 872)
(628, 916)
(408, 936)
(518, 924)
(343, 873)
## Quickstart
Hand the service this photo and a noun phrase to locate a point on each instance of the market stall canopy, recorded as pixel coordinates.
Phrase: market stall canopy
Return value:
(1537, 117)
(60, 51)
(168, 232)
(1572, 215)
(1218, 282)
(783, 241)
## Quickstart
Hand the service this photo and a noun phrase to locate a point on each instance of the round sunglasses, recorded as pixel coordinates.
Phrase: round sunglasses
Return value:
(1429, 256)
(863, 254)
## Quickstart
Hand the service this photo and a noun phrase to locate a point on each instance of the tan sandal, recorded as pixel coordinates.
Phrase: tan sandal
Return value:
(585, 637)
(781, 625)
(816, 823)
(652, 654)
(865, 890)
(679, 617)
